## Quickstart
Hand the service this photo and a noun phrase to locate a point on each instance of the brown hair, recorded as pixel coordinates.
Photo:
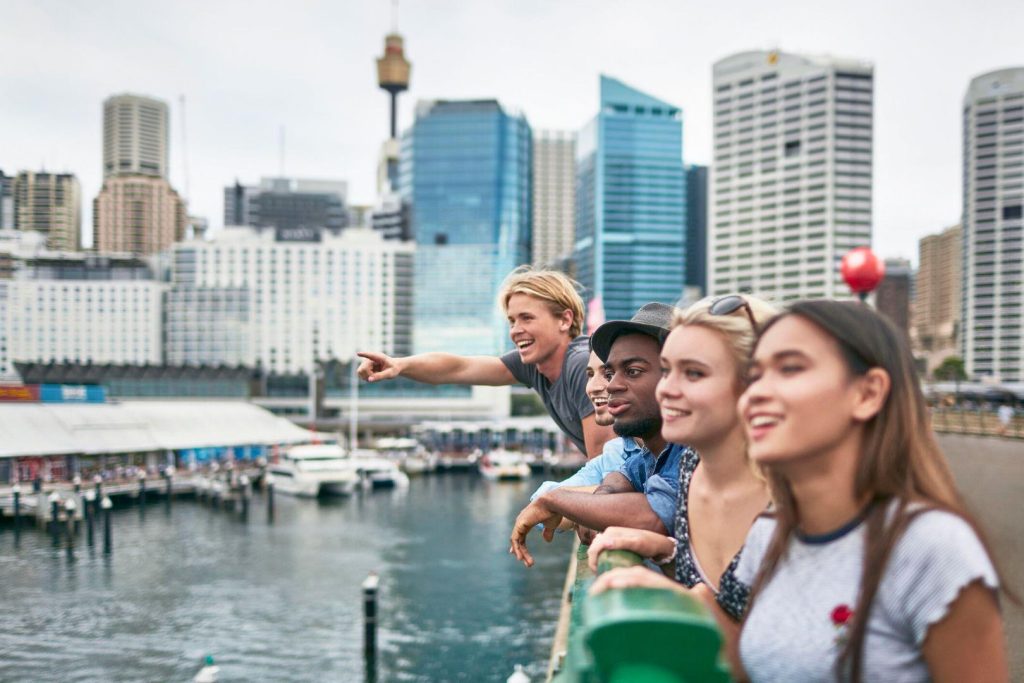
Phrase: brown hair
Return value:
(901, 459)
(554, 288)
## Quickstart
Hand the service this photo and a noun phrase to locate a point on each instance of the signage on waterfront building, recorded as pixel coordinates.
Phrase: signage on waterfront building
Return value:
(54, 393)
(301, 233)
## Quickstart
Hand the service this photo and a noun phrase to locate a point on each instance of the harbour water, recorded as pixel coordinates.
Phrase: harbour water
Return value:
(282, 602)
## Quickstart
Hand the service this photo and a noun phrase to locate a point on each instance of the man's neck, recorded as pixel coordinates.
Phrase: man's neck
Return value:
(551, 366)
(654, 443)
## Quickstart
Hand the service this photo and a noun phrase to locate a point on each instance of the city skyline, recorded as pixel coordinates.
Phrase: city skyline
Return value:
(240, 92)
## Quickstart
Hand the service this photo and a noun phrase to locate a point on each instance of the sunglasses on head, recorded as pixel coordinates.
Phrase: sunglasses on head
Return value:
(727, 305)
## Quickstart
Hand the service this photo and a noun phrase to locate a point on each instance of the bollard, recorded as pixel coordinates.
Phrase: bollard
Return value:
(69, 511)
(370, 585)
(16, 490)
(270, 502)
(89, 512)
(142, 493)
(108, 543)
(243, 482)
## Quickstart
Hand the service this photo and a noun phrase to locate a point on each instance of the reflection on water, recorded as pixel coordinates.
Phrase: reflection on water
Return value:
(282, 602)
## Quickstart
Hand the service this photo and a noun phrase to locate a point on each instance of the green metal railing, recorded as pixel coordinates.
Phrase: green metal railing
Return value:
(638, 635)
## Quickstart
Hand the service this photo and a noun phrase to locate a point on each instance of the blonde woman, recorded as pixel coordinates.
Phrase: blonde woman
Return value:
(703, 371)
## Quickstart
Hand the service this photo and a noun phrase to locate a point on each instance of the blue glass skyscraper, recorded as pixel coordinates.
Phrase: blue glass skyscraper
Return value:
(465, 172)
(631, 202)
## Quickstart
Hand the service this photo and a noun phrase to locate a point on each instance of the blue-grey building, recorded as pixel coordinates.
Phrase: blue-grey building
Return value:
(697, 227)
(465, 174)
(631, 201)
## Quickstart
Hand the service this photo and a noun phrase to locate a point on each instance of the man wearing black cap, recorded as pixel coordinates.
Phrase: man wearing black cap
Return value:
(645, 487)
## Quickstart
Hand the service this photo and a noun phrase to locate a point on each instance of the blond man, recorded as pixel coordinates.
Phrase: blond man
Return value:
(545, 316)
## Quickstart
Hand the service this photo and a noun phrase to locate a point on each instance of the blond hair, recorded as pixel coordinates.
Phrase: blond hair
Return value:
(734, 328)
(554, 288)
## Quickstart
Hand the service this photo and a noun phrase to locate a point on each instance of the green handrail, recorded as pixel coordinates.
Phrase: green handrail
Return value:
(638, 635)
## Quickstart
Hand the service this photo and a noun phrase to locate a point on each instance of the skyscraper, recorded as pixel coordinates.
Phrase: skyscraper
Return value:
(135, 136)
(892, 297)
(937, 293)
(137, 214)
(6, 202)
(465, 171)
(993, 225)
(554, 196)
(791, 181)
(49, 203)
(288, 203)
(697, 228)
(631, 201)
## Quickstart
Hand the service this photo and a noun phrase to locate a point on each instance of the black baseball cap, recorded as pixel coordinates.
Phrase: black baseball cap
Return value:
(653, 319)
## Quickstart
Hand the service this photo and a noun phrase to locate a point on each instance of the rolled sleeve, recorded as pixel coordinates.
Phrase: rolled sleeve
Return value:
(661, 496)
(634, 470)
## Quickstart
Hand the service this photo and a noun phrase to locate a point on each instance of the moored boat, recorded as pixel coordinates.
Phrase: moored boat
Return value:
(504, 465)
(313, 470)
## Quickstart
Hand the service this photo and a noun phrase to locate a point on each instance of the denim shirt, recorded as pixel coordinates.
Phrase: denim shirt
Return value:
(658, 479)
(615, 452)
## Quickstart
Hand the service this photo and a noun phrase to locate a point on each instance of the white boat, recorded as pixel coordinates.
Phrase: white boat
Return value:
(313, 470)
(377, 472)
(502, 465)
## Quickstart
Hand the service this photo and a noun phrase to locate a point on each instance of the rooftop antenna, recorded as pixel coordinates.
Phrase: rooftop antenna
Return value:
(280, 151)
(184, 146)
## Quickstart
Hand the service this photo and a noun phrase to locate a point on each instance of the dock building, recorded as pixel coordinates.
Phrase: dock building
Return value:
(790, 187)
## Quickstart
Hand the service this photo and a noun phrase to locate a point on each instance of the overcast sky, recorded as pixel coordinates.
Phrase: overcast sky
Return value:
(248, 68)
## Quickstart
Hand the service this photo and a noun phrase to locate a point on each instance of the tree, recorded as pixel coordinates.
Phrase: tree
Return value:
(950, 370)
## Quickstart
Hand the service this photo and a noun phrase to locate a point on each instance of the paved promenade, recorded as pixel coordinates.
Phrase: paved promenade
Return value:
(990, 472)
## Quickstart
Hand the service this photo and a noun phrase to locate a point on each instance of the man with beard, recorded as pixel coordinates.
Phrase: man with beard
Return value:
(642, 493)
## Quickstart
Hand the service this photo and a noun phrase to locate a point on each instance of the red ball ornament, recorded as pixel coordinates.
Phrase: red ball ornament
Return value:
(862, 270)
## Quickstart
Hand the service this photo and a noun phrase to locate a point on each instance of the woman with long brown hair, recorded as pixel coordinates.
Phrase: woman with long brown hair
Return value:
(870, 568)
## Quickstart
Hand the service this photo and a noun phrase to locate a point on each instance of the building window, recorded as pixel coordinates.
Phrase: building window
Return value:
(1011, 212)
(792, 148)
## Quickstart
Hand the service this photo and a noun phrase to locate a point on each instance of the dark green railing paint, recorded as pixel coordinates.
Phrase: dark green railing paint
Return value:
(638, 635)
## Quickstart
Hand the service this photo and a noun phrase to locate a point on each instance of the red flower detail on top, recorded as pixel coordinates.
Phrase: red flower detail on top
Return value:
(841, 615)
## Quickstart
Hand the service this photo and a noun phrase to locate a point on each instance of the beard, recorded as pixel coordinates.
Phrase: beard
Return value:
(642, 427)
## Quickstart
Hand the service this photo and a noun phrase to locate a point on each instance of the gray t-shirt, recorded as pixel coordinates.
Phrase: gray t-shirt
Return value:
(791, 632)
(566, 400)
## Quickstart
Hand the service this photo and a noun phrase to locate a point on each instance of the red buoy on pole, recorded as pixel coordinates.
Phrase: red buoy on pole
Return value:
(862, 271)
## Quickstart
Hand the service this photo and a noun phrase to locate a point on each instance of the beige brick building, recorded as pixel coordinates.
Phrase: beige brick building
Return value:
(935, 331)
(137, 214)
(49, 203)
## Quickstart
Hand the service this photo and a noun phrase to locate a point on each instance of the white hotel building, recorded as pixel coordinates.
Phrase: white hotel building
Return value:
(993, 226)
(790, 189)
(284, 298)
(75, 307)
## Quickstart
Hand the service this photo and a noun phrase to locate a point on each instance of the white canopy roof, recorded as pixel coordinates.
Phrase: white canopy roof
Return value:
(28, 429)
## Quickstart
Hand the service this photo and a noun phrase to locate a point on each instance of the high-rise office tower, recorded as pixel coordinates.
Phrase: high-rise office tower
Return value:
(993, 225)
(49, 203)
(892, 297)
(137, 214)
(554, 196)
(465, 171)
(937, 290)
(631, 201)
(288, 204)
(697, 228)
(135, 136)
(6, 201)
(791, 181)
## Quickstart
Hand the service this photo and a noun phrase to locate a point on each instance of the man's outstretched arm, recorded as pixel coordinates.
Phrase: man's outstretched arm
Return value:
(436, 368)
